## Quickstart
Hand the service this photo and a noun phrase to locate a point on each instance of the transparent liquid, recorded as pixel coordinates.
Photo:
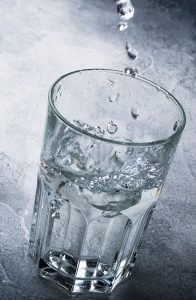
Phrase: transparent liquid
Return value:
(88, 225)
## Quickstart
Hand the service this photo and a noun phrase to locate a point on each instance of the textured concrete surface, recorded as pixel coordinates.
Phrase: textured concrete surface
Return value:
(39, 41)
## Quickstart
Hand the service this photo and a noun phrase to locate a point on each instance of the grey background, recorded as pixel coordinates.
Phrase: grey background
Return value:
(43, 39)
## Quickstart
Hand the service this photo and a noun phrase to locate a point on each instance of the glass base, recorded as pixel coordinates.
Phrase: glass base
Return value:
(86, 275)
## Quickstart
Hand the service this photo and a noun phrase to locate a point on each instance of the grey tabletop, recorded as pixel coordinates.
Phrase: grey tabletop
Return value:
(41, 40)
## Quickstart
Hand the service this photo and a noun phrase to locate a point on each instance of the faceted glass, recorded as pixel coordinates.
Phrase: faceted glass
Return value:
(108, 144)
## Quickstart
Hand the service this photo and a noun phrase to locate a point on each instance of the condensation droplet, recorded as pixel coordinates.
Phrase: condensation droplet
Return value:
(112, 81)
(135, 112)
(67, 244)
(114, 98)
(127, 46)
(122, 26)
(112, 128)
(55, 215)
(133, 54)
(131, 71)
(68, 160)
(175, 126)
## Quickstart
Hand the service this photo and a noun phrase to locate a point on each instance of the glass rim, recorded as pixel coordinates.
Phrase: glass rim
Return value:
(124, 143)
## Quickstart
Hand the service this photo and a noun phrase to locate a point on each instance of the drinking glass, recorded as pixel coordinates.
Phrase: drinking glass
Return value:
(109, 140)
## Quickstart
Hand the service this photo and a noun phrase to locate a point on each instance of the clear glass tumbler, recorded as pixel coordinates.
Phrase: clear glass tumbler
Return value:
(108, 144)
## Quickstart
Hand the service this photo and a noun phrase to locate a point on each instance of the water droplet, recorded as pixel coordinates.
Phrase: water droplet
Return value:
(122, 26)
(67, 244)
(133, 54)
(98, 131)
(68, 160)
(175, 126)
(55, 215)
(59, 89)
(135, 112)
(112, 128)
(53, 204)
(112, 81)
(114, 98)
(81, 189)
(127, 46)
(125, 9)
(131, 71)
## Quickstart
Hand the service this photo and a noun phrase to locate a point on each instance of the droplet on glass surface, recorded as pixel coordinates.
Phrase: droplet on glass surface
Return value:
(55, 215)
(112, 81)
(133, 54)
(135, 112)
(67, 244)
(98, 131)
(112, 128)
(68, 160)
(175, 126)
(131, 71)
(114, 98)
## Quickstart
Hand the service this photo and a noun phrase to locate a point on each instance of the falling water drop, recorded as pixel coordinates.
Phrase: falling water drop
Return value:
(125, 9)
(112, 128)
(122, 26)
(133, 54)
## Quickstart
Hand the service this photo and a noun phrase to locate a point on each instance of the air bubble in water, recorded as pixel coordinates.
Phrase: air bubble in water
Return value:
(122, 26)
(135, 112)
(112, 128)
(125, 9)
